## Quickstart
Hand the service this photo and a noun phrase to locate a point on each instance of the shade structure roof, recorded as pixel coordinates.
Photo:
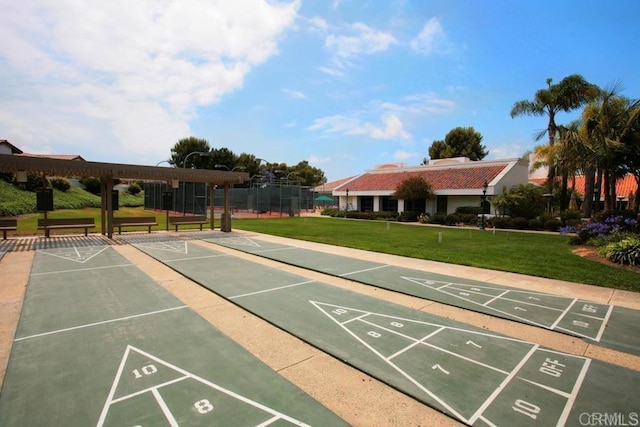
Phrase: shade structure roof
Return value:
(64, 167)
(324, 198)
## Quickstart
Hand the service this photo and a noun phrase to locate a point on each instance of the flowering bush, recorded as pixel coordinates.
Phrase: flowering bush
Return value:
(612, 224)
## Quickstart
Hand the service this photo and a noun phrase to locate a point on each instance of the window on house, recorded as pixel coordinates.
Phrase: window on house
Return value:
(366, 203)
(387, 204)
(441, 204)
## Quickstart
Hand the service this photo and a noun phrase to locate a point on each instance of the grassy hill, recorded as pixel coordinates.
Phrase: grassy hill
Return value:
(15, 201)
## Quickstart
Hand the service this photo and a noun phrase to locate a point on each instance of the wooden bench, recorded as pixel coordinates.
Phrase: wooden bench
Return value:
(134, 221)
(193, 219)
(48, 224)
(8, 224)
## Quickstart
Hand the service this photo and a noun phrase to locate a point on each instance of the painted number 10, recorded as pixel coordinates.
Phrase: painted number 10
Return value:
(145, 371)
(526, 408)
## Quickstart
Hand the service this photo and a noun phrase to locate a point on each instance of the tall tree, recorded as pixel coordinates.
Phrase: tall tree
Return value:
(185, 147)
(611, 125)
(459, 142)
(571, 93)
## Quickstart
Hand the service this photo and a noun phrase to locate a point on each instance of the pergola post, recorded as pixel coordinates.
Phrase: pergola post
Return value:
(212, 205)
(225, 224)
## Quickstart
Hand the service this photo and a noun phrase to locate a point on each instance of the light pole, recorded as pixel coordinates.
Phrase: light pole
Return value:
(346, 204)
(199, 153)
(482, 203)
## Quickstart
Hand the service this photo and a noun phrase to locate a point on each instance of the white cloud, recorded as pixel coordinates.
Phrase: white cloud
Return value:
(294, 94)
(121, 75)
(431, 39)
(391, 127)
(358, 41)
(315, 160)
(419, 104)
(403, 156)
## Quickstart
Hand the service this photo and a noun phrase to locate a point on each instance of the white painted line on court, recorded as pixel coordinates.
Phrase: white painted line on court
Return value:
(75, 257)
(501, 387)
(288, 248)
(196, 257)
(546, 387)
(165, 409)
(604, 323)
(271, 289)
(574, 393)
(495, 298)
(366, 269)
(185, 375)
(82, 269)
(564, 313)
(99, 323)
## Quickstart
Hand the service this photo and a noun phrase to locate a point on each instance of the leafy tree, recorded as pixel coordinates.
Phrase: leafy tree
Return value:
(185, 147)
(459, 142)
(412, 190)
(571, 93)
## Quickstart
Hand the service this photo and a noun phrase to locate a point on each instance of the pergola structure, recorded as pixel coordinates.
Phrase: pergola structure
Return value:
(107, 172)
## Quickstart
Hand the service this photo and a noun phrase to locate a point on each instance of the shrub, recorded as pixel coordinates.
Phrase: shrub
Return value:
(553, 224)
(61, 184)
(626, 251)
(607, 225)
(134, 188)
(91, 184)
(500, 222)
(519, 223)
(409, 216)
(452, 219)
(471, 210)
(536, 224)
(469, 218)
(438, 218)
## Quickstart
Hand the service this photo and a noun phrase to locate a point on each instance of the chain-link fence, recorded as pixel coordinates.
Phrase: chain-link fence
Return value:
(285, 199)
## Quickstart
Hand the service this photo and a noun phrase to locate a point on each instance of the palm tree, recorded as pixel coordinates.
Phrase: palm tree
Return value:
(611, 124)
(571, 93)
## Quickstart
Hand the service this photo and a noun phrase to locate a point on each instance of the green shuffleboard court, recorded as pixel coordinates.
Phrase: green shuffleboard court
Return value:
(101, 344)
(610, 326)
(476, 377)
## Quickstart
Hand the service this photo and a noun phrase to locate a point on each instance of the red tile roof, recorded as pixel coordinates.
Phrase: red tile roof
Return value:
(624, 186)
(440, 179)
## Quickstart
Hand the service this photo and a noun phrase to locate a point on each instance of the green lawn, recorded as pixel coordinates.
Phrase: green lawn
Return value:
(536, 254)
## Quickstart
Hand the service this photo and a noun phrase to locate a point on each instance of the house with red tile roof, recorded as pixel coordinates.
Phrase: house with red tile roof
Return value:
(454, 182)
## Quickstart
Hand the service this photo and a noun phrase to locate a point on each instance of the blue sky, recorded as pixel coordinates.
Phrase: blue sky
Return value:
(343, 84)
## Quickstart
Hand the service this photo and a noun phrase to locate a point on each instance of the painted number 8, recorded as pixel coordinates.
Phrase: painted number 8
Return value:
(203, 406)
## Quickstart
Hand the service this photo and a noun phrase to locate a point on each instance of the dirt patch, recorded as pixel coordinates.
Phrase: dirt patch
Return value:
(592, 253)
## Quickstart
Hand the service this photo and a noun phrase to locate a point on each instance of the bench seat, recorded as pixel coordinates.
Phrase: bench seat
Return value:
(8, 224)
(48, 224)
(134, 221)
(194, 219)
